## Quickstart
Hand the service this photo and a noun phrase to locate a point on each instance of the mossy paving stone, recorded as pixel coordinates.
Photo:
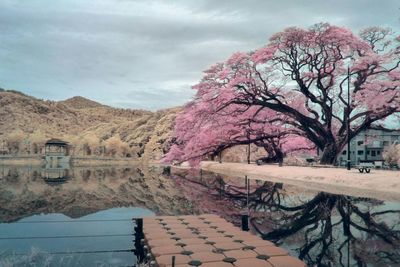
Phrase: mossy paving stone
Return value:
(195, 263)
(229, 260)
(263, 257)
(248, 248)
(218, 250)
(187, 252)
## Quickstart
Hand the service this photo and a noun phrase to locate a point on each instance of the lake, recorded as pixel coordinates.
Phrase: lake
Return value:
(85, 217)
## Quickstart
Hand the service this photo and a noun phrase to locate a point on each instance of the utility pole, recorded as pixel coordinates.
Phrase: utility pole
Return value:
(348, 119)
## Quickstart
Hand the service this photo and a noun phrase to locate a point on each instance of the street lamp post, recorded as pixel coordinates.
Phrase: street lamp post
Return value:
(348, 119)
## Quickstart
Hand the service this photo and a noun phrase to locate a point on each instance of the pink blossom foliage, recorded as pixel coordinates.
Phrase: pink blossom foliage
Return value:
(294, 89)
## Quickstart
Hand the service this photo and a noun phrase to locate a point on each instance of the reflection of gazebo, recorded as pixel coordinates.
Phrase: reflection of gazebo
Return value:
(55, 176)
(56, 147)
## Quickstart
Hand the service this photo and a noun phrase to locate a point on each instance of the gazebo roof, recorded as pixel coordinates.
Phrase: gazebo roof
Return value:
(57, 142)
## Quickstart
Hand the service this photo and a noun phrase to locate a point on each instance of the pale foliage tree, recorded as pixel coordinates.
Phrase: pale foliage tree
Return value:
(90, 144)
(15, 141)
(116, 147)
(392, 154)
(37, 141)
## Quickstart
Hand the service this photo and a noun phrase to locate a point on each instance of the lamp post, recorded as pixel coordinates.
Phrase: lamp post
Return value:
(348, 119)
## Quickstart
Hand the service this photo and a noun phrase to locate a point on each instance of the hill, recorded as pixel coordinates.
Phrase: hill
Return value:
(86, 124)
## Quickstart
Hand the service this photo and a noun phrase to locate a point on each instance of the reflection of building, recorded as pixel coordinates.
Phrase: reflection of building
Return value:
(55, 176)
(56, 153)
(369, 145)
(3, 148)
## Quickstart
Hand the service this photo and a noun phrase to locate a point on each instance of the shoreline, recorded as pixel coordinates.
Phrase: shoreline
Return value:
(379, 184)
(75, 161)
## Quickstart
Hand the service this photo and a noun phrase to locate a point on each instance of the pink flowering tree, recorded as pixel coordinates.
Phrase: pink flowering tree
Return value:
(204, 129)
(295, 85)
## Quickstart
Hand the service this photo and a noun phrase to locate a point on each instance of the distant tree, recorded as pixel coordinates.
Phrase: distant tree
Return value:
(15, 141)
(37, 141)
(90, 144)
(116, 147)
(391, 155)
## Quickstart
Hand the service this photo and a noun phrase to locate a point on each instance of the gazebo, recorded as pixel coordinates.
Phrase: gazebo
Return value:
(56, 147)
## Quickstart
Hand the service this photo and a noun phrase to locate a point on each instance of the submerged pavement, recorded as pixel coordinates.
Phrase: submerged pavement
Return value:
(209, 241)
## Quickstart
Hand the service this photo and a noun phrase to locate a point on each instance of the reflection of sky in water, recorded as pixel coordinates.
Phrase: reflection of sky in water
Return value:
(75, 227)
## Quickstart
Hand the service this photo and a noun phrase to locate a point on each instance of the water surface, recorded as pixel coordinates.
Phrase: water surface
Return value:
(84, 219)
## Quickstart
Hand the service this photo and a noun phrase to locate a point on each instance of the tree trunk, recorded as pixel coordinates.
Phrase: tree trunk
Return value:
(329, 154)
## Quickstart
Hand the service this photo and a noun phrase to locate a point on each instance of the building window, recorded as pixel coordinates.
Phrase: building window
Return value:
(373, 153)
(360, 152)
(368, 152)
(378, 152)
(360, 143)
(385, 143)
(344, 152)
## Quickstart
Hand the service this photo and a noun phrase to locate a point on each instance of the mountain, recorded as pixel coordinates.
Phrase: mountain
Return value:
(79, 102)
(146, 133)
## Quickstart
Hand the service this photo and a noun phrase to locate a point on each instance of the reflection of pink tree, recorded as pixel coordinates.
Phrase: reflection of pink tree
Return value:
(314, 222)
(299, 79)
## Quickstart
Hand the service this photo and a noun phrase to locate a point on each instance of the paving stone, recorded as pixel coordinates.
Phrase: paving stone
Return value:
(157, 236)
(228, 245)
(220, 239)
(240, 254)
(286, 261)
(207, 256)
(271, 251)
(166, 260)
(161, 242)
(257, 242)
(165, 250)
(199, 247)
(152, 231)
(192, 241)
(252, 263)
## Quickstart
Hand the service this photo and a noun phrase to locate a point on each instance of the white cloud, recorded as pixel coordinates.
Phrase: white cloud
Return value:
(146, 54)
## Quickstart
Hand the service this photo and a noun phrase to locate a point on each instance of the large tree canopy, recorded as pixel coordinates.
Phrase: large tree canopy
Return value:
(295, 86)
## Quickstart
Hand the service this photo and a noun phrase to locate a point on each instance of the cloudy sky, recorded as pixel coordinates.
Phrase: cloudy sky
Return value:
(146, 54)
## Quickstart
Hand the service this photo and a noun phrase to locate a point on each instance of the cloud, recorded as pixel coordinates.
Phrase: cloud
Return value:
(139, 54)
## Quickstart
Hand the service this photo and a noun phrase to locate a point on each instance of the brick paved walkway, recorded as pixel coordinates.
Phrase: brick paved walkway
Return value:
(210, 241)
